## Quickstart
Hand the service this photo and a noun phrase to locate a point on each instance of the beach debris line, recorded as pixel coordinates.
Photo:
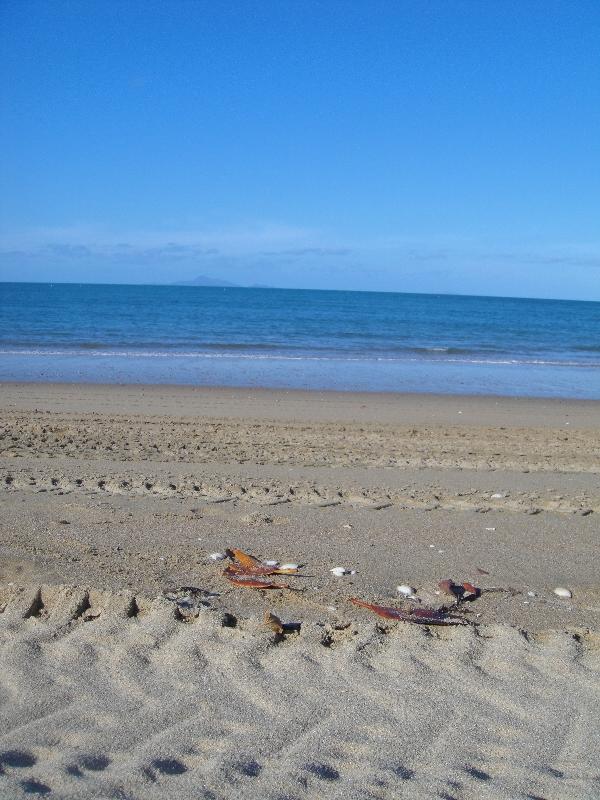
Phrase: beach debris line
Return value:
(419, 616)
(248, 565)
(250, 573)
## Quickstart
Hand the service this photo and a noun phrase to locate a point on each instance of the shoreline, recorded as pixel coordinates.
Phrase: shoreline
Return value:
(275, 403)
(448, 378)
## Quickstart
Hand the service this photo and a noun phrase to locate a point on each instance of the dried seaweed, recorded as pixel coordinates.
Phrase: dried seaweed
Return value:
(245, 564)
(251, 581)
(419, 616)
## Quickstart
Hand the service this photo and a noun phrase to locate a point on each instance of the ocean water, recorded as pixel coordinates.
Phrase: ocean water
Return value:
(299, 339)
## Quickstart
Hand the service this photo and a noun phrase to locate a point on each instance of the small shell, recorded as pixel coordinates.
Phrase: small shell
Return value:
(498, 496)
(560, 592)
(490, 529)
(217, 556)
(405, 590)
(339, 571)
(289, 566)
(270, 562)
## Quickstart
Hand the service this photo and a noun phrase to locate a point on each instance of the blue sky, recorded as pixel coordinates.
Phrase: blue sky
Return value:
(406, 146)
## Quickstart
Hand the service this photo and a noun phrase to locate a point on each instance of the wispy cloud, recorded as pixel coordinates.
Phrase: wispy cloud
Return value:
(274, 241)
(237, 253)
(235, 239)
(299, 252)
(573, 258)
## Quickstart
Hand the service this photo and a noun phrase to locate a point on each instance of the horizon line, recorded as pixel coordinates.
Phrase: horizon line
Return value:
(178, 285)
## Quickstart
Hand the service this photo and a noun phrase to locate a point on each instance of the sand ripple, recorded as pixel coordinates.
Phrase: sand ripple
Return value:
(110, 695)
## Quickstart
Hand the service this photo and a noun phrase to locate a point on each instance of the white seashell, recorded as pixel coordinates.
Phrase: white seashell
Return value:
(346, 526)
(498, 496)
(490, 529)
(217, 556)
(270, 562)
(560, 592)
(531, 594)
(406, 590)
(289, 566)
(340, 571)
(432, 546)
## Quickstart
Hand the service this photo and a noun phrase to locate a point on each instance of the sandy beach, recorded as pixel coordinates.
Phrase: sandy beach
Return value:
(131, 668)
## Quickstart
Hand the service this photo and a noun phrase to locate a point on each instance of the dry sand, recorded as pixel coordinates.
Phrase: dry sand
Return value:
(111, 496)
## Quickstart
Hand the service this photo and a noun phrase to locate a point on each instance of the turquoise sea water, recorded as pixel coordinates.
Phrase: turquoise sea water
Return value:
(299, 339)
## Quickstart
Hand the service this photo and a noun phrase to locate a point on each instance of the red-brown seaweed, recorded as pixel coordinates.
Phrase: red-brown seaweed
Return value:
(420, 616)
(251, 581)
(246, 564)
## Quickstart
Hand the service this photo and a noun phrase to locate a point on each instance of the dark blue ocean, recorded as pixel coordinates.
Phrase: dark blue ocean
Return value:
(299, 339)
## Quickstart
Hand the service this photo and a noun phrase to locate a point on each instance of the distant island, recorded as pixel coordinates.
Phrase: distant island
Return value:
(204, 280)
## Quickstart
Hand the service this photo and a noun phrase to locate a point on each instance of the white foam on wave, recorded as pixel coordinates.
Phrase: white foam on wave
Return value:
(363, 358)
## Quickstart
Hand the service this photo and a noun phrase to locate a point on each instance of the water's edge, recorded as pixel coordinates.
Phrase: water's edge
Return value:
(346, 341)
